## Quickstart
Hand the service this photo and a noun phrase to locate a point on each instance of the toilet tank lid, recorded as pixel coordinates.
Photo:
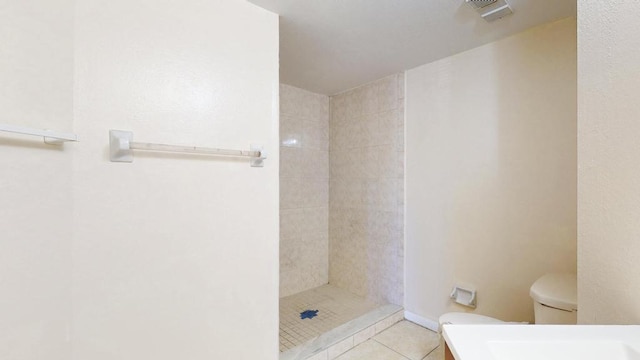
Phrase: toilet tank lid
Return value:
(558, 290)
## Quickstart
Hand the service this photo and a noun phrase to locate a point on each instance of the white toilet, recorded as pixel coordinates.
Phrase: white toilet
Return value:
(554, 302)
(555, 299)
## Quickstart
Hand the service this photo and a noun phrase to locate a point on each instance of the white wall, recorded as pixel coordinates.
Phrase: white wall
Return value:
(170, 257)
(176, 257)
(491, 172)
(609, 171)
(36, 90)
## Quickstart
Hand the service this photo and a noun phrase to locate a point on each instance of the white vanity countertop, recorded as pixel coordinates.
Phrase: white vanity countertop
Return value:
(548, 342)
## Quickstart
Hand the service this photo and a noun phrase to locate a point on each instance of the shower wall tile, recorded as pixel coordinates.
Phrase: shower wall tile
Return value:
(291, 131)
(315, 135)
(314, 107)
(304, 190)
(315, 192)
(387, 93)
(400, 144)
(401, 191)
(324, 113)
(374, 162)
(386, 128)
(400, 165)
(340, 161)
(303, 260)
(315, 164)
(350, 133)
(289, 101)
(315, 220)
(319, 243)
(345, 194)
(347, 270)
(379, 194)
(366, 190)
(385, 161)
(338, 106)
(355, 103)
(291, 221)
(291, 195)
(371, 224)
(290, 162)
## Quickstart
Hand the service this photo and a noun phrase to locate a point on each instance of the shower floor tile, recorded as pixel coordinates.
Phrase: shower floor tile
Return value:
(335, 307)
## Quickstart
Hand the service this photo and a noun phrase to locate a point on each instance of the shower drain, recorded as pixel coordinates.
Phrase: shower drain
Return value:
(308, 314)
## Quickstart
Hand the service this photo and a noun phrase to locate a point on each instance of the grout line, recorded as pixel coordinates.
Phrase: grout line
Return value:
(430, 352)
(395, 351)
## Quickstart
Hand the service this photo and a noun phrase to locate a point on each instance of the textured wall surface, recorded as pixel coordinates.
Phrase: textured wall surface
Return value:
(170, 257)
(304, 190)
(491, 172)
(175, 256)
(36, 90)
(366, 190)
(609, 170)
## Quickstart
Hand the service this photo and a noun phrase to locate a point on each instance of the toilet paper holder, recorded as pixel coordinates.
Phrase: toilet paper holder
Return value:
(464, 296)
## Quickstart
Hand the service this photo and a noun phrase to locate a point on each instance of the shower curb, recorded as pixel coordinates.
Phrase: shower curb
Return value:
(345, 337)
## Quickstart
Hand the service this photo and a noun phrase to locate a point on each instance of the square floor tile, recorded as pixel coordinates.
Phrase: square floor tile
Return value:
(437, 354)
(409, 339)
(371, 350)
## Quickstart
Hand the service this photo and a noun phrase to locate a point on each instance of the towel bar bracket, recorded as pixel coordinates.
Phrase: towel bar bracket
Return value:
(258, 161)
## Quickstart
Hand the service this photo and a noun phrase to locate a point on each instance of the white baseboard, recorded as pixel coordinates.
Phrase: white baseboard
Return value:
(422, 321)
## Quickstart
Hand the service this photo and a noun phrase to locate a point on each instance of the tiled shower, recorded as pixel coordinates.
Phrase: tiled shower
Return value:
(341, 198)
(304, 190)
(366, 190)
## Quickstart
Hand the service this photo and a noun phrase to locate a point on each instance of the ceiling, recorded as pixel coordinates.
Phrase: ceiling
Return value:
(328, 46)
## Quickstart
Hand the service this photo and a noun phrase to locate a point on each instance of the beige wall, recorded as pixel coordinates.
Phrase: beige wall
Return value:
(304, 190)
(609, 171)
(36, 90)
(170, 257)
(491, 172)
(366, 190)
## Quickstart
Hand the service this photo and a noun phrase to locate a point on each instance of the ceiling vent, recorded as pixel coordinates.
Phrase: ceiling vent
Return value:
(491, 10)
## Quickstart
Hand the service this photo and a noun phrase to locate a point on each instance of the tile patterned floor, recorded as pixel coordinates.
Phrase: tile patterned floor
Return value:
(335, 307)
(403, 341)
